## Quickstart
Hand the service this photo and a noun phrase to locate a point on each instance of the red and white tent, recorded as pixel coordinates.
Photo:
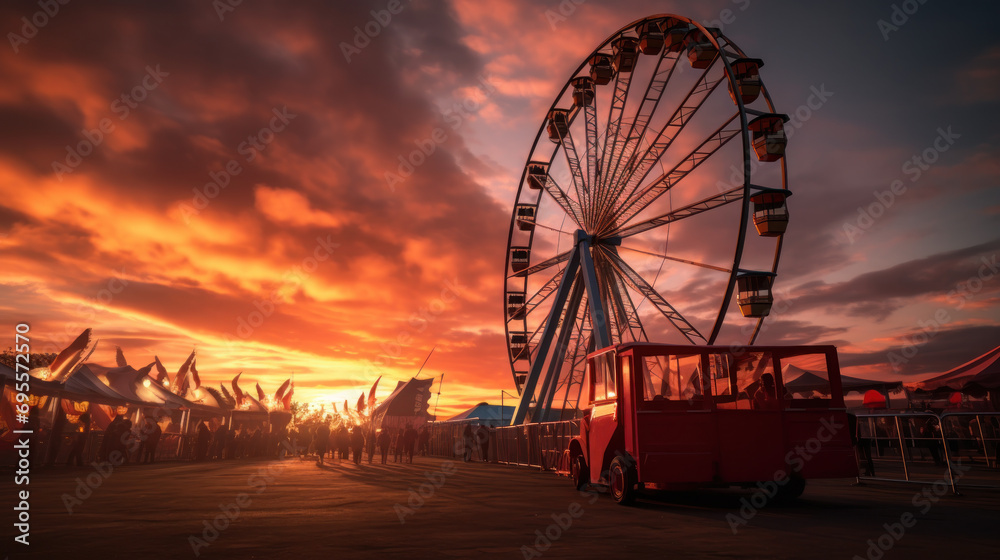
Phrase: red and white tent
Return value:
(979, 374)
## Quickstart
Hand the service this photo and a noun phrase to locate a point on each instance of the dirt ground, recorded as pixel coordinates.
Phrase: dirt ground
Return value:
(443, 509)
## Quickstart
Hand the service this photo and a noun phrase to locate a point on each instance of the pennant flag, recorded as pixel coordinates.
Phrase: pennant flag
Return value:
(260, 393)
(194, 374)
(162, 377)
(183, 378)
(71, 356)
(237, 392)
(230, 400)
(280, 395)
(371, 394)
(287, 401)
(361, 404)
(120, 357)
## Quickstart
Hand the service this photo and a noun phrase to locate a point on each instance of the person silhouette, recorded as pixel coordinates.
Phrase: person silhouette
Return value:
(467, 443)
(357, 443)
(383, 441)
(320, 439)
(201, 443)
(79, 442)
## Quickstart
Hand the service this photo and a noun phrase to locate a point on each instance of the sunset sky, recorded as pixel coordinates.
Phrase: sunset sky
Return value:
(170, 172)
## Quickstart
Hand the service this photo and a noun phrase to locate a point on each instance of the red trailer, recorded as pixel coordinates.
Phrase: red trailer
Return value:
(664, 417)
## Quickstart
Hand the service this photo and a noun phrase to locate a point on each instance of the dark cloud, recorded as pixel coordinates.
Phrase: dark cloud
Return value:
(942, 351)
(876, 295)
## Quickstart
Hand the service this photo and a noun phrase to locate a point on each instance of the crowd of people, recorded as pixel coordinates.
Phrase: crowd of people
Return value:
(121, 442)
(237, 442)
(343, 443)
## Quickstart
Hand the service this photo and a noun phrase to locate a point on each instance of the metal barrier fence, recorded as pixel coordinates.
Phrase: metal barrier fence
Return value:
(534, 445)
(171, 447)
(904, 443)
(911, 441)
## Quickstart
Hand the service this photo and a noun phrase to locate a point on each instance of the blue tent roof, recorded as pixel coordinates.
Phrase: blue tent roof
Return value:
(487, 413)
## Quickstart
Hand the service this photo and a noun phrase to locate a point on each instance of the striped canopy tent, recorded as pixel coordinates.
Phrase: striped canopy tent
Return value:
(977, 376)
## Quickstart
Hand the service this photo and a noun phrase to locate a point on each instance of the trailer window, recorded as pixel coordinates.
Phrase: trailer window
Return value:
(675, 378)
(806, 376)
(751, 368)
(719, 368)
(604, 377)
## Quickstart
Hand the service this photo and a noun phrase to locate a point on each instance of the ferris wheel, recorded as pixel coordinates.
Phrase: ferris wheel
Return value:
(632, 216)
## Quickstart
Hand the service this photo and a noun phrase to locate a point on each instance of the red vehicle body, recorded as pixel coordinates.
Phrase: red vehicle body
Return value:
(678, 417)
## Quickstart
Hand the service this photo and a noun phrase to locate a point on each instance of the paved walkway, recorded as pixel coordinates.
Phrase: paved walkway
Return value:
(439, 509)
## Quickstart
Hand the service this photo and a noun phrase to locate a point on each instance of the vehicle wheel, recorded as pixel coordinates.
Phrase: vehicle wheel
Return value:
(580, 471)
(790, 490)
(623, 479)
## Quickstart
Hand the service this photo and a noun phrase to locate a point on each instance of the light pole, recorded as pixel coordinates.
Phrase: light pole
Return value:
(502, 393)
(501, 440)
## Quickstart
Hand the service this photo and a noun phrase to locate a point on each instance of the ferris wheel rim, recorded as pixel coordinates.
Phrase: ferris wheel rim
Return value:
(728, 75)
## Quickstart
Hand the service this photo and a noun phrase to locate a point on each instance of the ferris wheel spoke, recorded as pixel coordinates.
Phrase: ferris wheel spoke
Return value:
(639, 284)
(665, 182)
(620, 315)
(531, 303)
(568, 205)
(623, 81)
(639, 166)
(681, 213)
(612, 313)
(573, 161)
(563, 257)
(593, 165)
(629, 309)
(637, 130)
(679, 260)
(550, 228)
(578, 361)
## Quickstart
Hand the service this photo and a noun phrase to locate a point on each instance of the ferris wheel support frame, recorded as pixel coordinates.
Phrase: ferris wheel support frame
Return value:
(580, 264)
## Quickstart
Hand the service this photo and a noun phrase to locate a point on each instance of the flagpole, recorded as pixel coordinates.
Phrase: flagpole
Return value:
(438, 397)
(425, 361)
